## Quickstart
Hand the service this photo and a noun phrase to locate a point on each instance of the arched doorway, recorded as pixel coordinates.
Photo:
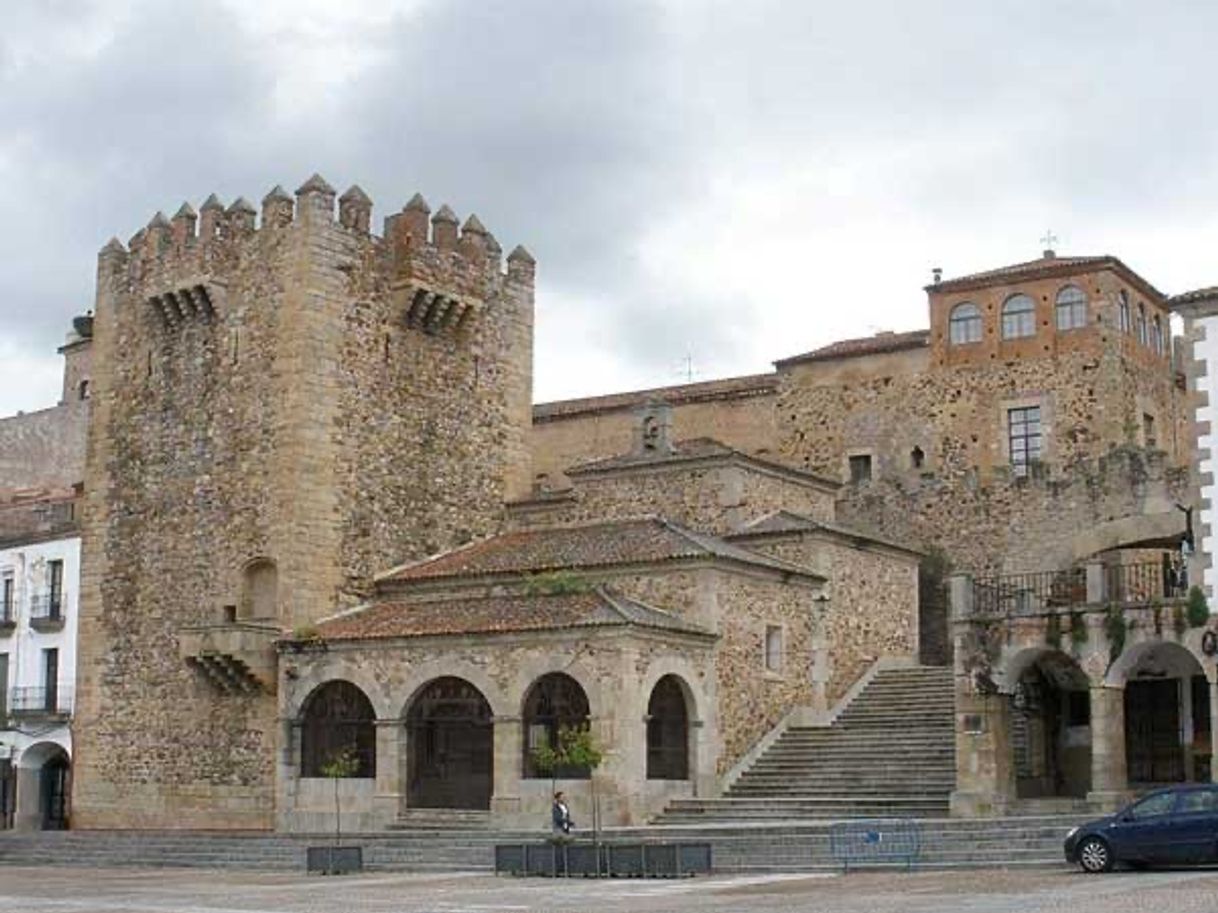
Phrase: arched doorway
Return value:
(44, 788)
(55, 787)
(1167, 715)
(668, 731)
(450, 747)
(553, 703)
(337, 720)
(1050, 733)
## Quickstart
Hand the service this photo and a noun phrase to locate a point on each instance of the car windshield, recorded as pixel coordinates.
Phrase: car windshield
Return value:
(1158, 804)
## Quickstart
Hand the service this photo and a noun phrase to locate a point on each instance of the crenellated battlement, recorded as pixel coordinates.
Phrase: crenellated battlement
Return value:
(419, 250)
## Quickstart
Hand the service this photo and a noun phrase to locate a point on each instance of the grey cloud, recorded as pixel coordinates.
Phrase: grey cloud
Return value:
(575, 127)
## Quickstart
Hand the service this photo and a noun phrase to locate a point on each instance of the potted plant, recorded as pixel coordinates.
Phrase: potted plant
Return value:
(337, 859)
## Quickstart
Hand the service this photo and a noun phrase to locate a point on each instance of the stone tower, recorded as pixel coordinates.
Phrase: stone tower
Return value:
(282, 407)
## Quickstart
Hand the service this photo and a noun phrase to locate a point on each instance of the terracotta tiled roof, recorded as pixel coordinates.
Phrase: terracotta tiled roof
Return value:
(1040, 268)
(642, 540)
(864, 345)
(597, 608)
(727, 388)
(701, 448)
(786, 521)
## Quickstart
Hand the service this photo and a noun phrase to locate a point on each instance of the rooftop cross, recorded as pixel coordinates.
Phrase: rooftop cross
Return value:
(1049, 240)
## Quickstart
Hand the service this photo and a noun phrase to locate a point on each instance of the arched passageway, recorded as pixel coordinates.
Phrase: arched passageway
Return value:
(1050, 726)
(338, 721)
(553, 703)
(44, 788)
(668, 731)
(450, 747)
(1167, 716)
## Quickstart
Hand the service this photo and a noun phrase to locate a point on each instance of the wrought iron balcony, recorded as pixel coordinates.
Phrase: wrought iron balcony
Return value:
(40, 701)
(46, 610)
(1129, 585)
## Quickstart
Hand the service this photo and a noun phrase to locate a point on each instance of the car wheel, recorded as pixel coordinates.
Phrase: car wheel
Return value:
(1095, 856)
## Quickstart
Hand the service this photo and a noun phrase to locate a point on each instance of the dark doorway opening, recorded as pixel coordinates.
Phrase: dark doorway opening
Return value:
(667, 731)
(1154, 747)
(55, 780)
(450, 747)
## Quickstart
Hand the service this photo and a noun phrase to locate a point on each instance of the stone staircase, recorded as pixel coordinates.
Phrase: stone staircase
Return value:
(891, 753)
(736, 848)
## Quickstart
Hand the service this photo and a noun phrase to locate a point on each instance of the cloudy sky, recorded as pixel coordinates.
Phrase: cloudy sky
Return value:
(705, 183)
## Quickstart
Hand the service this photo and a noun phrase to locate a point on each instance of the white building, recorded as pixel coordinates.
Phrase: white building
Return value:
(1200, 312)
(39, 586)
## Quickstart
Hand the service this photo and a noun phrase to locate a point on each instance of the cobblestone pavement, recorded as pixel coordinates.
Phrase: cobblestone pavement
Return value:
(69, 890)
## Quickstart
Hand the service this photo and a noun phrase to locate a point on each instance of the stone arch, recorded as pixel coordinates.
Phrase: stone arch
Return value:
(337, 719)
(44, 787)
(553, 702)
(1166, 704)
(450, 746)
(259, 590)
(422, 674)
(300, 683)
(1050, 722)
(670, 707)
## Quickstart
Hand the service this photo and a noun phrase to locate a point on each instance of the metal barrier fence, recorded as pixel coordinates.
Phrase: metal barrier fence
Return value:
(861, 843)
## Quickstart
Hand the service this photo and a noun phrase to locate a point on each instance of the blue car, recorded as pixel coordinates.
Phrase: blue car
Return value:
(1175, 826)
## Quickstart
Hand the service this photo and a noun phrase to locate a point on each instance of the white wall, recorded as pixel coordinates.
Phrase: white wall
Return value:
(24, 645)
(1206, 351)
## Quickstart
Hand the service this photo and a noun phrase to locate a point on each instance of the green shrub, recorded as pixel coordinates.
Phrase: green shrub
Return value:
(1198, 609)
(1053, 631)
(1078, 630)
(556, 583)
(1116, 628)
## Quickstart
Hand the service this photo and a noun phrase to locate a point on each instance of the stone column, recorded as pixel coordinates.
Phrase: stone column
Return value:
(509, 761)
(1109, 775)
(985, 769)
(1095, 582)
(1186, 728)
(390, 771)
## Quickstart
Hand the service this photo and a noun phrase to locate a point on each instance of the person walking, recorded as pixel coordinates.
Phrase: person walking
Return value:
(560, 815)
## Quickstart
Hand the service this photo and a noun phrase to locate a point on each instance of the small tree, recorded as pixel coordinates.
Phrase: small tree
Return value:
(575, 748)
(1198, 609)
(343, 763)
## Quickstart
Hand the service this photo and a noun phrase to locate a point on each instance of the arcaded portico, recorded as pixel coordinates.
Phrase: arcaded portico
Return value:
(1061, 696)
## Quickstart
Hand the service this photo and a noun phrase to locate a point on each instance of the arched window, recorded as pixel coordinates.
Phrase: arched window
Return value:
(1071, 308)
(260, 589)
(554, 702)
(1143, 337)
(964, 325)
(667, 731)
(337, 719)
(1156, 335)
(83, 390)
(1018, 317)
(1123, 322)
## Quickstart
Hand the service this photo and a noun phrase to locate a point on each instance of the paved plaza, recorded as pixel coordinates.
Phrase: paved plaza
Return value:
(70, 890)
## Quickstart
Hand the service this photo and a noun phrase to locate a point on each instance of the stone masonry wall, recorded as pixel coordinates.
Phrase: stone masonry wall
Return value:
(44, 448)
(714, 499)
(873, 601)
(741, 416)
(231, 367)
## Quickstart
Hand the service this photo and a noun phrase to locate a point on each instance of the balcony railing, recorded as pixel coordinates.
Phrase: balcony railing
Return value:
(47, 606)
(1045, 591)
(1144, 583)
(1024, 594)
(40, 700)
